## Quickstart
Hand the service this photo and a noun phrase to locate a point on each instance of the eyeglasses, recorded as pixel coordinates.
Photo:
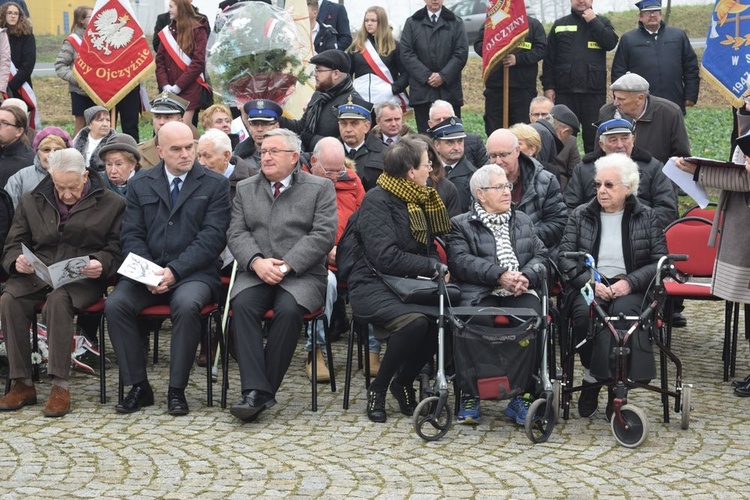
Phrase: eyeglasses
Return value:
(3, 124)
(332, 174)
(275, 152)
(539, 115)
(48, 150)
(428, 165)
(317, 70)
(502, 156)
(500, 187)
(651, 13)
(607, 184)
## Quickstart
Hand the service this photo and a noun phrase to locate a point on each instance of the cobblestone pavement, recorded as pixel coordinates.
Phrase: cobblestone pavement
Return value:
(292, 452)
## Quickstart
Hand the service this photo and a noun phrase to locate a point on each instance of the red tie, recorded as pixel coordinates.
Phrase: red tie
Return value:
(277, 189)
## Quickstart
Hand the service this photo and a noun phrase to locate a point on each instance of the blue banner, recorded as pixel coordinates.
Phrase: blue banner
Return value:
(726, 60)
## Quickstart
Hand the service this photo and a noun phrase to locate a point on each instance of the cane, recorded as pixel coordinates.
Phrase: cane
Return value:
(224, 321)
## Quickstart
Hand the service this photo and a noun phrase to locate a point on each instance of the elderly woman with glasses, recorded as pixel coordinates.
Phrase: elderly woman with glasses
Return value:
(626, 240)
(396, 225)
(497, 260)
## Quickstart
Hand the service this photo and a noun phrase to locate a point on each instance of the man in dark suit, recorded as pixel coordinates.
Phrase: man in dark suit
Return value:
(334, 14)
(283, 226)
(176, 216)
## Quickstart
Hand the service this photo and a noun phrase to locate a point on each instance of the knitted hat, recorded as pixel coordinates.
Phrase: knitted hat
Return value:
(48, 131)
(91, 112)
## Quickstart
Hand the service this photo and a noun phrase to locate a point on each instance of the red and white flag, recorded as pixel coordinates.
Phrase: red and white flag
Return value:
(505, 28)
(114, 55)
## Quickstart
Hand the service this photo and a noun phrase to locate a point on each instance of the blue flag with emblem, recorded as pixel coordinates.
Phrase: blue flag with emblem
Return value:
(726, 60)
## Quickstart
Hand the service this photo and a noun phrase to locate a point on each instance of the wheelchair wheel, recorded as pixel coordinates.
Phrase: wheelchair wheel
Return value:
(430, 422)
(540, 420)
(635, 430)
(685, 411)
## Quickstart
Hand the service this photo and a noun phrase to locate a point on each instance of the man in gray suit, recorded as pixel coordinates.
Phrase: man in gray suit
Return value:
(283, 226)
(176, 215)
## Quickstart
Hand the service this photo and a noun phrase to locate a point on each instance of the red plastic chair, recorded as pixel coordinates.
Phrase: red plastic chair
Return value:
(689, 236)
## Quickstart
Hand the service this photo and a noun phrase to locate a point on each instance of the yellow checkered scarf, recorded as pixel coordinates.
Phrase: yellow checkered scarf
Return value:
(426, 209)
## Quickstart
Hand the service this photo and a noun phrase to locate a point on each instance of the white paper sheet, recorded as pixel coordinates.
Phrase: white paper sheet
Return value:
(686, 182)
(141, 270)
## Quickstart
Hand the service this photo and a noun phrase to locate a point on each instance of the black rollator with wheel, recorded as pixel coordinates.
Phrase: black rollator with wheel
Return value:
(620, 350)
(503, 361)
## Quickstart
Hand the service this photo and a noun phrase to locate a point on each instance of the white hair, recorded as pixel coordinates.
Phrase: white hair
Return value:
(626, 168)
(442, 104)
(481, 178)
(219, 139)
(66, 160)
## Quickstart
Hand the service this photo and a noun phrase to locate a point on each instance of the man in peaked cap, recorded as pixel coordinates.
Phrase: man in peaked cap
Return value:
(167, 107)
(654, 188)
(567, 128)
(366, 150)
(658, 123)
(333, 87)
(448, 137)
(259, 116)
(661, 54)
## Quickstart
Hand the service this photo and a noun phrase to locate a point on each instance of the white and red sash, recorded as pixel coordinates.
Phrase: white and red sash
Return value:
(381, 70)
(26, 94)
(178, 56)
(75, 40)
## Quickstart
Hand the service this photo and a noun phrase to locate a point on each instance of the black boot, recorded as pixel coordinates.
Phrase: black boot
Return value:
(376, 406)
(406, 397)
(588, 401)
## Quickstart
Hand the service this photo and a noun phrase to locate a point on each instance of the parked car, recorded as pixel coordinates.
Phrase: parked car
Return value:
(474, 13)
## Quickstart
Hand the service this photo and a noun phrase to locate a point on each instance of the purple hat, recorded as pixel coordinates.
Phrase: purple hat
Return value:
(47, 131)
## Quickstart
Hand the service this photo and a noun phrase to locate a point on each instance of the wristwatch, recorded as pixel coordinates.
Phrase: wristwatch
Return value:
(284, 269)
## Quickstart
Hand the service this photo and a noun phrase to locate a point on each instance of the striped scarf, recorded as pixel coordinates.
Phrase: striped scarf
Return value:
(499, 226)
(426, 209)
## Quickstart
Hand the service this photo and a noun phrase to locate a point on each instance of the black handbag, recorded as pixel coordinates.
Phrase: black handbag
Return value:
(420, 291)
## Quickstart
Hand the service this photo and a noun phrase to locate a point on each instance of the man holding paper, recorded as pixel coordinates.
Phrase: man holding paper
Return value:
(176, 217)
(69, 214)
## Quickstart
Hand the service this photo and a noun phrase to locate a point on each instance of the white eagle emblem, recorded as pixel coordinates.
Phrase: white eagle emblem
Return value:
(110, 31)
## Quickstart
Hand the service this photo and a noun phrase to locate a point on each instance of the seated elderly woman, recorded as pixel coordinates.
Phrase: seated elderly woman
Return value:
(626, 240)
(498, 261)
(70, 214)
(121, 159)
(396, 225)
(46, 142)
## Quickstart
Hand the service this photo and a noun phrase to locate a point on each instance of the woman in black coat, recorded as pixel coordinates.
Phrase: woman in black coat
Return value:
(396, 224)
(22, 45)
(498, 261)
(626, 240)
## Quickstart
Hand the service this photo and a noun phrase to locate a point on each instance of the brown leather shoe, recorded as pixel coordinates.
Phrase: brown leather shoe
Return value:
(58, 403)
(18, 397)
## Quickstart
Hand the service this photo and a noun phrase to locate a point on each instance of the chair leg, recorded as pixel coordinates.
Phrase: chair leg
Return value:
(725, 355)
(102, 364)
(735, 334)
(364, 340)
(314, 364)
(209, 364)
(329, 351)
(349, 363)
(35, 347)
(225, 365)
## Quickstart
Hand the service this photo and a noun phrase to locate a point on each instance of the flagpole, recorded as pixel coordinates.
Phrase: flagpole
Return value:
(506, 74)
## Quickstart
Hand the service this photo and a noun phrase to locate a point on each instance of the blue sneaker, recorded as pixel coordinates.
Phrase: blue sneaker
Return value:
(470, 412)
(517, 408)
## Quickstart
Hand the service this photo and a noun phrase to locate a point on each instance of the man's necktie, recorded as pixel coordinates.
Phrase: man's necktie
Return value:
(352, 153)
(448, 169)
(277, 189)
(175, 190)
(434, 18)
(389, 141)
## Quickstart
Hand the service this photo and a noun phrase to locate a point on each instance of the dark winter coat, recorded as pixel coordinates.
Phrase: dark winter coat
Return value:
(472, 254)
(441, 48)
(326, 39)
(576, 60)
(93, 229)
(676, 75)
(23, 55)
(387, 242)
(13, 158)
(81, 141)
(642, 242)
(369, 161)
(460, 175)
(392, 62)
(654, 188)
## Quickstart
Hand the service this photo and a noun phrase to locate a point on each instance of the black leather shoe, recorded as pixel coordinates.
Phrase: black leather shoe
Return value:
(742, 391)
(139, 397)
(376, 406)
(176, 402)
(678, 320)
(588, 400)
(252, 405)
(406, 397)
(739, 382)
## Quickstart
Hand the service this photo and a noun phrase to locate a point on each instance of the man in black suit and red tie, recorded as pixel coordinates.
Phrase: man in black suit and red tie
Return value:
(334, 14)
